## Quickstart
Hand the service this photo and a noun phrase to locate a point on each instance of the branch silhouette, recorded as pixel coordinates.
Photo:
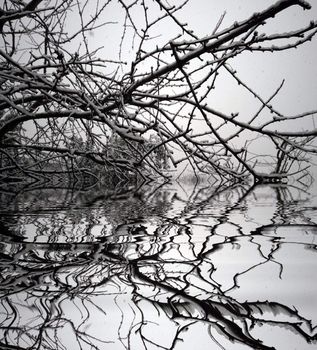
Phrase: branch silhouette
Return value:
(64, 108)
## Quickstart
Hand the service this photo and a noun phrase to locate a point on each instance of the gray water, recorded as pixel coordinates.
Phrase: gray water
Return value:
(178, 266)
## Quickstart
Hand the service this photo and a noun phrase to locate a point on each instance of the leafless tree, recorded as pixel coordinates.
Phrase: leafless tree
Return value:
(67, 112)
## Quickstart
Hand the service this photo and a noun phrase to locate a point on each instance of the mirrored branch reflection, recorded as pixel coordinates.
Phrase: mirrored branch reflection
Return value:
(173, 267)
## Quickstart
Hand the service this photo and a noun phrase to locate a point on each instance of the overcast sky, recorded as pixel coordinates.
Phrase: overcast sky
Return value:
(263, 71)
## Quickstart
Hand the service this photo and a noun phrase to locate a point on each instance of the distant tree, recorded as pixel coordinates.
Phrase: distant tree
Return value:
(54, 86)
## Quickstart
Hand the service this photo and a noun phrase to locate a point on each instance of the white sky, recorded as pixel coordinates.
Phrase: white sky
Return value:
(264, 71)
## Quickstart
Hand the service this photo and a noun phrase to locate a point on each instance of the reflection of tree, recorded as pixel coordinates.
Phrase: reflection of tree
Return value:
(150, 283)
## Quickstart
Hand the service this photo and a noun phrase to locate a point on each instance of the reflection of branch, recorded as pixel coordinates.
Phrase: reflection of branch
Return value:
(223, 315)
(81, 260)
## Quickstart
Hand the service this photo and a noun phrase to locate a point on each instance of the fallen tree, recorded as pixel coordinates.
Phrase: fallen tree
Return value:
(62, 107)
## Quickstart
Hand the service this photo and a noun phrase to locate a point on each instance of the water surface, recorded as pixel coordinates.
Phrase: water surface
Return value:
(166, 267)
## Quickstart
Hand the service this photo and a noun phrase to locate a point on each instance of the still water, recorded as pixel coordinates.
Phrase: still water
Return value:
(178, 266)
